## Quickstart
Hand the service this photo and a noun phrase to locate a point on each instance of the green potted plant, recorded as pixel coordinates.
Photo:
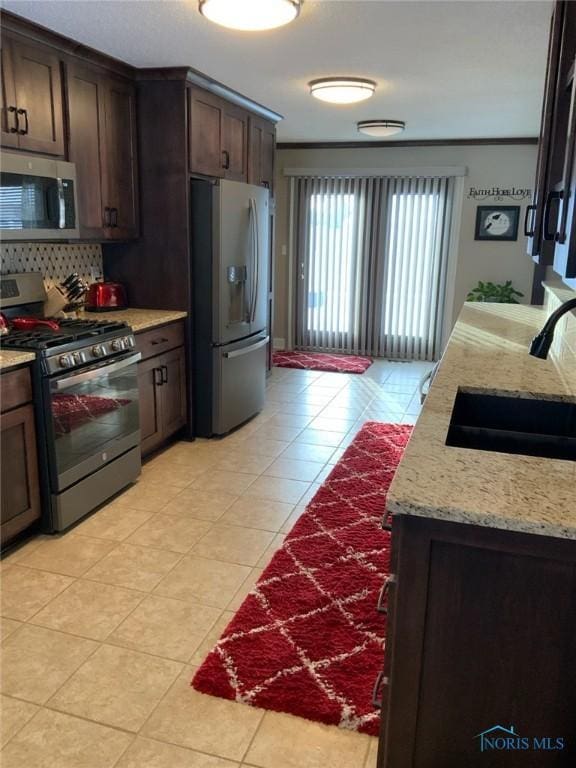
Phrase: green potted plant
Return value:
(503, 293)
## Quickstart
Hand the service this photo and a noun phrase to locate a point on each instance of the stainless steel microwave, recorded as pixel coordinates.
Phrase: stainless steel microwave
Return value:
(37, 198)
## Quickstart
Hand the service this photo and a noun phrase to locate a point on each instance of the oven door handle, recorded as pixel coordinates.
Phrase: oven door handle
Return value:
(93, 373)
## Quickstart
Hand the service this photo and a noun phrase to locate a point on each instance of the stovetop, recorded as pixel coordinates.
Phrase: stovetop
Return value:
(76, 344)
(70, 331)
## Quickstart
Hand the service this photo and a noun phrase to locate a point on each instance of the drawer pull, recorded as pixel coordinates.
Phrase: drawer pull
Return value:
(381, 606)
(381, 681)
(155, 342)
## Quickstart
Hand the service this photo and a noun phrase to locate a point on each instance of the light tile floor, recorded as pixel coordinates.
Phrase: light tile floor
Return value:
(103, 626)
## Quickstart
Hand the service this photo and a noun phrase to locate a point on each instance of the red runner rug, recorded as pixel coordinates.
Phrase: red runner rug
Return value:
(308, 639)
(321, 361)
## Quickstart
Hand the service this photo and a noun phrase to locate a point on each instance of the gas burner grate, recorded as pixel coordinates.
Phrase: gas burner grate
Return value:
(33, 340)
(70, 331)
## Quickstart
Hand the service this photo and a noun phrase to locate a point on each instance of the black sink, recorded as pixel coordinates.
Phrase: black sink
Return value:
(520, 425)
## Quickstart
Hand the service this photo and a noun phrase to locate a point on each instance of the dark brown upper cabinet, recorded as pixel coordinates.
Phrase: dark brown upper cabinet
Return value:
(550, 225)
(261, 147)
(121, 158)
(32, 109)
(218, 137)
(103, 145)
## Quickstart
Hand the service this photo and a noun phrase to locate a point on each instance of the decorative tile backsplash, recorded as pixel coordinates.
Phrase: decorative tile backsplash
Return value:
(564, 344)
(54, 261)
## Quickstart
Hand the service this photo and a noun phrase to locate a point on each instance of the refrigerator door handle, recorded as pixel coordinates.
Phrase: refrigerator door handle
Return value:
(254, 232)
(247, 350)
(257, 268)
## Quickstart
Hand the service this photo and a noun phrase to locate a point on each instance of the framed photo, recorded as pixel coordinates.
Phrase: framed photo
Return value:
(497, 222)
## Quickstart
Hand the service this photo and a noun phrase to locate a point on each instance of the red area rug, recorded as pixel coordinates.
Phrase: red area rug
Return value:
(321, 361)
(71, 411)
(308, 639)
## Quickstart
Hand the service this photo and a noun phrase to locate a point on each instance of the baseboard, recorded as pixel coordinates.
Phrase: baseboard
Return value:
(279, 344)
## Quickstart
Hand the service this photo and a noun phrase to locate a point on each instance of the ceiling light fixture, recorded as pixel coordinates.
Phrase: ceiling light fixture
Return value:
(250, 15)
(381, 129)
(342, 90)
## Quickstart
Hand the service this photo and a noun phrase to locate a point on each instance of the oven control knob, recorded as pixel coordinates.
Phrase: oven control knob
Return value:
(65, 361)
(128, 342)
(117, 345)
(98, 350)
(79, 357)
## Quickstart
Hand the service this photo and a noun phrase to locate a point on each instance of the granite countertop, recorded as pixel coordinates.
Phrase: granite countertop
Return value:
(489, 349)
(138, 319)
(11, 358)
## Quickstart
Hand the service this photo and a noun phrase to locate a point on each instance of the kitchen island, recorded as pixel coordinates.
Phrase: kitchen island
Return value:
(482, 595)
(488, 350)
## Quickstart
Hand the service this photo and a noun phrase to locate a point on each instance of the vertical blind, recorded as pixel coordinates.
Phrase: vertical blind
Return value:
(372, 255)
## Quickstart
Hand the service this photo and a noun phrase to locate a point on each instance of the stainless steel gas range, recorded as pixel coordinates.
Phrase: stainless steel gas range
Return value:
(86, 403)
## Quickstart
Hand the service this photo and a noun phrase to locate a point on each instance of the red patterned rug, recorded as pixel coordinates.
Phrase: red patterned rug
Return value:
(321, 361)
(308, 639)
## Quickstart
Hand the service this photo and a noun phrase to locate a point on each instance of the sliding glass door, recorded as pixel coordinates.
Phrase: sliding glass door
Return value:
(372, 258)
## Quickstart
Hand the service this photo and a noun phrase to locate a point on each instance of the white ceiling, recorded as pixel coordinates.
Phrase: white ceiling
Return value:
(454, 69)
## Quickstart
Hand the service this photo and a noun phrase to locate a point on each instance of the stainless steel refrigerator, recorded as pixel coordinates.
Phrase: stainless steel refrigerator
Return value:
(229, 250)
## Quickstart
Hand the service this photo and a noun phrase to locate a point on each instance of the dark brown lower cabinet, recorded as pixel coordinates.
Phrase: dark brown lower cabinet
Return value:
(20, 490)
(162, 384)
(481, 636)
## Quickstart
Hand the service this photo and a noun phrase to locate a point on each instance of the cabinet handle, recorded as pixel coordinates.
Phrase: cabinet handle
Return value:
(154, 342)
(382, 606)
(164, 374)
(25, 113)
(548, 234)
(113, 217)
(381, 681)
(106, 217)
(528, 232)
(16, 127)
(158, 377)
(225, 159)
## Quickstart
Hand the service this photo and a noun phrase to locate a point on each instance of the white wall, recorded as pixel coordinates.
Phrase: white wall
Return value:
(488, 167)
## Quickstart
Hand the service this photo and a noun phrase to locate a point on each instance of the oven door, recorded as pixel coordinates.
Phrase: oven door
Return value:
(92, 417)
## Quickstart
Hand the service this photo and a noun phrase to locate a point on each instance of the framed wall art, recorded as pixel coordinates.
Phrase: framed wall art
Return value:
(497, 222)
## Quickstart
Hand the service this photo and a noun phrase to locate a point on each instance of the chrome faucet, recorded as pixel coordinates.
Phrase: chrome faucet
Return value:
(542, 342)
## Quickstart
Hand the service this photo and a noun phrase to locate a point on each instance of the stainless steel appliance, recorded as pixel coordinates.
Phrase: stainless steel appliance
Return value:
(37, 198)
(86, 403)
(230, 250)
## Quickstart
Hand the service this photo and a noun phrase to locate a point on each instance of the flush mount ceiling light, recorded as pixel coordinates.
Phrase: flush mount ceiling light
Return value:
(342, 90)
(250, 15)
(381, 129)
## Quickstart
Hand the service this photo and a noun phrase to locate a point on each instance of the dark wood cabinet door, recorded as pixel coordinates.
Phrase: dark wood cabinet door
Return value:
(173, 391)
(565, 239)
(151, 429)
(38, 85)
(235, 142)
(261, 148)
(205, 134)
(8, 125)
(121, 180)
(473, 609)
(542, 250)
(86, 95)
(19, 469)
